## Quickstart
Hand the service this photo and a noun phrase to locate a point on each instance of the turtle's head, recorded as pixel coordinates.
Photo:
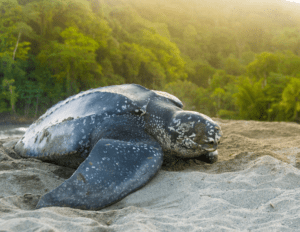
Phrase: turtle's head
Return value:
(194, 134)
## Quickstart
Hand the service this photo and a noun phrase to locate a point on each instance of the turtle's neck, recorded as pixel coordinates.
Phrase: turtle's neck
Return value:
(157, 119)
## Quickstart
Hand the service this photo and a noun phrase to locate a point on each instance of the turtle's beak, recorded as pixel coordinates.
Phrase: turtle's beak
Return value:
(211, 144)
(218, 134)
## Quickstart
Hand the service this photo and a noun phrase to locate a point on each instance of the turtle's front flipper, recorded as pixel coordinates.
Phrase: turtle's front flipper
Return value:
(112, 170)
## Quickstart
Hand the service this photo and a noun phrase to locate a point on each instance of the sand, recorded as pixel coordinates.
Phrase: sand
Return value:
(255, 186)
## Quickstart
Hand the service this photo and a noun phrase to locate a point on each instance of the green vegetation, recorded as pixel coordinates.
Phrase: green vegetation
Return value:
(231, 59)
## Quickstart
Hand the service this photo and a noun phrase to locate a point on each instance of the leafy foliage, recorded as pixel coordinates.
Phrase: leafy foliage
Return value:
(251, 100)
(187, 91)
(229, 59)
(10, 93)
(291, 99)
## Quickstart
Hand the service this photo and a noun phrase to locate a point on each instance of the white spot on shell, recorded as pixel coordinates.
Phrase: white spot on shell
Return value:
(217, 137)
(210, 139)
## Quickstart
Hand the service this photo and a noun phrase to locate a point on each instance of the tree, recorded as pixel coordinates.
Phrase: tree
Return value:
(250, 100)
(186, 91)
(42, 12)
(220, 44)
(10, 93)
(11, 72)
(218, 95)
(222, 89)
(167, 54)
(287, 39)
(73, 61)
(263, 65)
(11, 29)
(273, 95)
(291, 99)
(31, 93)
(233, 66)
(289, 63)
(201, 74)
(220, 79)
(189, 45)
(141, 66)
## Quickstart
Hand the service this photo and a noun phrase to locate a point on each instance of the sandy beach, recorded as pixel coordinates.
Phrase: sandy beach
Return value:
(255, 186)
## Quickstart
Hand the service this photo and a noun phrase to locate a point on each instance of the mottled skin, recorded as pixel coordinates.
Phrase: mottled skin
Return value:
(116, 137)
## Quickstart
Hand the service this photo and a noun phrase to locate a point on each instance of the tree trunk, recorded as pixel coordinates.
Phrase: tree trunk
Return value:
(265, 75)
(16, 47)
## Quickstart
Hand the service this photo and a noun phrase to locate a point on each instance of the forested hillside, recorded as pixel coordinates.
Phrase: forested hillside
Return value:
(232, 59)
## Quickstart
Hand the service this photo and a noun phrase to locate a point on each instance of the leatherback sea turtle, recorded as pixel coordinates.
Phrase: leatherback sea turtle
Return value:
(116, 136)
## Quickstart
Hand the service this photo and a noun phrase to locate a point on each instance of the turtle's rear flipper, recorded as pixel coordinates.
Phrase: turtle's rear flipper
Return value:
(112, 170)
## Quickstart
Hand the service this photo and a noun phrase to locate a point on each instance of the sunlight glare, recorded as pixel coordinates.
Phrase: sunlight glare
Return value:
(296, 1)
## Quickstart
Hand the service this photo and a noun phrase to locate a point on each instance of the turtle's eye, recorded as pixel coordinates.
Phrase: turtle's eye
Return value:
(211, 143)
